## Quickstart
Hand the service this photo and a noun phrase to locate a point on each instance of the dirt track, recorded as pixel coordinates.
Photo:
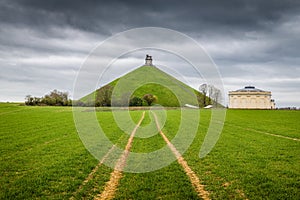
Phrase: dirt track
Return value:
(116, 175)
(195, 181)
(112, 185)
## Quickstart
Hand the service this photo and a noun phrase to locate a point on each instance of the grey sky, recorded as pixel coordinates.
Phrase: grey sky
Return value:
(44, 43)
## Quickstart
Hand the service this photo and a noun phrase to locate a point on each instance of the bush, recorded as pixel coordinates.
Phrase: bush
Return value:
(149, 98)
(55, 98)
(136, 101)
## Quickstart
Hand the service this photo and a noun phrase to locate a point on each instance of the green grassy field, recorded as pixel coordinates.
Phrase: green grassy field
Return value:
(42, 157)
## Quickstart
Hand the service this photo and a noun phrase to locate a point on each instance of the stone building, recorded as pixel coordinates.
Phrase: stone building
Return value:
(148, 60)
(251, 98)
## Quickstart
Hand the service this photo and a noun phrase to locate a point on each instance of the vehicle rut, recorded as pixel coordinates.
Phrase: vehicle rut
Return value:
(195, 181)
(112, 185)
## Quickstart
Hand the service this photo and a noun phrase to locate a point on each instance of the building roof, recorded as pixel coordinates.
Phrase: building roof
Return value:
(249, 89)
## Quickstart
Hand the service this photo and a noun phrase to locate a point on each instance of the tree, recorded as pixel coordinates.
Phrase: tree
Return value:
(59, 98)
(54, 98)
(200, 100)
(216, 95)
(203, 89)
(136, 101)
(211, 94)
(149, 98)
(36, 101)
(211, 90)
(103, 96)
(48, 100)
(29, 100)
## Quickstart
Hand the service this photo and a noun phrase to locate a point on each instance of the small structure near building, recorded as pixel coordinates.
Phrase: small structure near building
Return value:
(208, 106)
(148, 60)
(251, 98)
(191, 106)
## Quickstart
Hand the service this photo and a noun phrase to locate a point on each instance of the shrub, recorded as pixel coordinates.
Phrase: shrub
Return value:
(136, 101)
(149, 98)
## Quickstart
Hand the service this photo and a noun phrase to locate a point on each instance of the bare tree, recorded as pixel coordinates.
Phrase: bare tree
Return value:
(211, 90)
(216, 96)
(203, 89)
(211, 94)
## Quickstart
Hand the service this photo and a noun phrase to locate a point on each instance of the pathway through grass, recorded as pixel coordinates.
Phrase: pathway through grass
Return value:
(112, 184)
(189, 172)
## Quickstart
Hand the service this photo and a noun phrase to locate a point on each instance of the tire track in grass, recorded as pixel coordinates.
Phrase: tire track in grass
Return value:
(116, 175)
(266, 133)
(92, 173)
(195, 181)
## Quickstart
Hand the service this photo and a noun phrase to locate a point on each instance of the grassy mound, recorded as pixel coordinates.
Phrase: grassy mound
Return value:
(150, 80)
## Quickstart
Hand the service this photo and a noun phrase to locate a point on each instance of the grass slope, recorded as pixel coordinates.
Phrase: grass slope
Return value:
(149, 79)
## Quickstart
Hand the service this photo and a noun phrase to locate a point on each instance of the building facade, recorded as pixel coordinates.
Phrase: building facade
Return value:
(251, 98)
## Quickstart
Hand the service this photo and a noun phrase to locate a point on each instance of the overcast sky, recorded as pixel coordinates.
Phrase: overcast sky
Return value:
(44, 43)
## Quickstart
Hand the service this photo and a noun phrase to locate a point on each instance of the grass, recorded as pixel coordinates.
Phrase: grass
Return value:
(280, 122)
(169, 91)
(42, 156)
(245, 163)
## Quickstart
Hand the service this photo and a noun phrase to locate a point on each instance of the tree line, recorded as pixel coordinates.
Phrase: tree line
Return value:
(54, 98)
(103, 98)
(210, 96)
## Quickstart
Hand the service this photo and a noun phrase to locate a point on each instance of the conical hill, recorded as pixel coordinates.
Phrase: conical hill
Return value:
(169, 91)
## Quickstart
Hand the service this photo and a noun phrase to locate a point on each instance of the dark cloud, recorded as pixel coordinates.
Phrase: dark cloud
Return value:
(246, 39)
(106, 16)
